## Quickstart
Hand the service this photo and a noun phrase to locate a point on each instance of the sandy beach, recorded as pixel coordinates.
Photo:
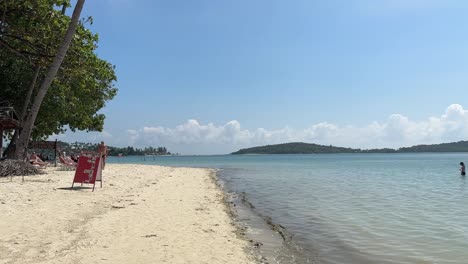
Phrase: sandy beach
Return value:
(143, 214)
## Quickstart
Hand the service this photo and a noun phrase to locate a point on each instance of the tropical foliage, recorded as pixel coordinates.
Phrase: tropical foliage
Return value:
(305, 148)
(31, 33)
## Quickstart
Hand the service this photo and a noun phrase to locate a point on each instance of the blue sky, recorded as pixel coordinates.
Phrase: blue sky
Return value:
(205, 77)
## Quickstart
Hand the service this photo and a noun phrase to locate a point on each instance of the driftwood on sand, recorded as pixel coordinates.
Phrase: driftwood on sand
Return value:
(17, 168)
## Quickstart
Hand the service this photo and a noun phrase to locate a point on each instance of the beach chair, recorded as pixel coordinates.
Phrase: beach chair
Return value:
(67, 161)
(37, 162)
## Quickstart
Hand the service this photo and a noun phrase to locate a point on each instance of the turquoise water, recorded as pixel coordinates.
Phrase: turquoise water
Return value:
(353, 208)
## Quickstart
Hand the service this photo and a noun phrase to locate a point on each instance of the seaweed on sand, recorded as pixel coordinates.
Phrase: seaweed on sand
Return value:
(17, 168)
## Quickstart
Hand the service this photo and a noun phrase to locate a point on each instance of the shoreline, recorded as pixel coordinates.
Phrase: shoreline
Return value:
(159, 214)
(272, 242)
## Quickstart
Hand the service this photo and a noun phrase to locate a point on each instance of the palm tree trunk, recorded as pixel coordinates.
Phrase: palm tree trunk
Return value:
(10, 150)
(28, 124)
(24, 110)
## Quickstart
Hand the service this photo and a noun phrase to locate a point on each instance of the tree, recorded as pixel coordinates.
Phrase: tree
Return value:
(30, 34)
(49, 77)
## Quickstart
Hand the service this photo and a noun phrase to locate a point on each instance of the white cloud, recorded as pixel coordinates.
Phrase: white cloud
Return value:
(192, 137)
(396, 131)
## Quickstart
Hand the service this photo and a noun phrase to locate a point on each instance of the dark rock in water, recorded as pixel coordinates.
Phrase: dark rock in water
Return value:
(17, 168)
(257, 244)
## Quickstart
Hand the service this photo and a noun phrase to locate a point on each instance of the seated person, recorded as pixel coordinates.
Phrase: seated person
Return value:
(36, 161)
(66, 160)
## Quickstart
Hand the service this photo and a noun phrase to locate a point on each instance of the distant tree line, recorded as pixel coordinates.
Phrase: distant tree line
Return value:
(307, 148)
(113, 151)
(460, 146)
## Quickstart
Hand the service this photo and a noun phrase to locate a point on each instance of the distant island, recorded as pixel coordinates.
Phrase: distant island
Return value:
(309, 148)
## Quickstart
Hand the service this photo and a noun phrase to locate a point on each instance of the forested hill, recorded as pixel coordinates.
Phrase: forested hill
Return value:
(295, 148)
(460, 146)
(307, 148)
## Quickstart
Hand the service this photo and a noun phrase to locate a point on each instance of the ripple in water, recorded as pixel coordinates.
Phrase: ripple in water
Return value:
(357, 208)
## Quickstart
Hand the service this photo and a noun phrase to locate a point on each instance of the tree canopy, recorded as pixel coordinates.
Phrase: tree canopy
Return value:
(30, 34)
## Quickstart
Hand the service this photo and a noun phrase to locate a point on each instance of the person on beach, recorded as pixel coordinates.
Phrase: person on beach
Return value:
(36, 161)
(462, 169)
(102, 149)
(74, 157)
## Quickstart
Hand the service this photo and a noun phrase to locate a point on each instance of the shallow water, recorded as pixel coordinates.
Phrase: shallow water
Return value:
(353, 208)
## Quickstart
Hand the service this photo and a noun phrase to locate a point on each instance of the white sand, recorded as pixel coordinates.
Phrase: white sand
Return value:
(143, 214)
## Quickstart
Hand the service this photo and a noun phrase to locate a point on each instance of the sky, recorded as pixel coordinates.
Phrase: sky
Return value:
(213, 76)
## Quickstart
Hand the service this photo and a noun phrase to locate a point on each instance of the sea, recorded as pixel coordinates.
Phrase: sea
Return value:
(345, 208)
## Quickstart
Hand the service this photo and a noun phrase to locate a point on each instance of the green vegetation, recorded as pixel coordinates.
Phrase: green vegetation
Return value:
(49, 70)
(113, 151)
(306, 148)
(460, 146)
(294, 148)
